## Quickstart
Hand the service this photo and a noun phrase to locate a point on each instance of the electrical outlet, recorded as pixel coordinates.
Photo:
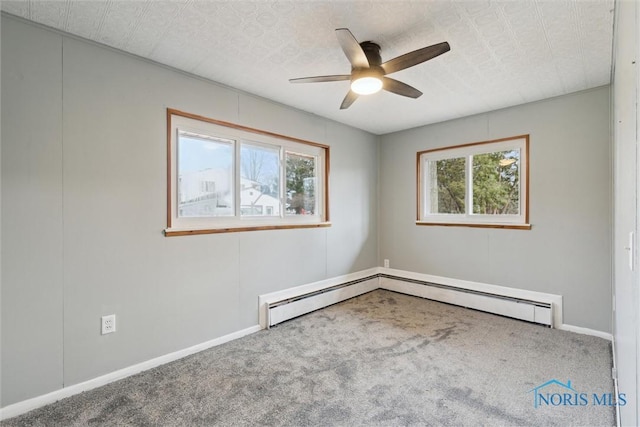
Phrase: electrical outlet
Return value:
(386, 263)
(108, 324)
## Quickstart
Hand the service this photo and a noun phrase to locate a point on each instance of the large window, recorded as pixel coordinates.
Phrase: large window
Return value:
(483, 184)
(224, 177)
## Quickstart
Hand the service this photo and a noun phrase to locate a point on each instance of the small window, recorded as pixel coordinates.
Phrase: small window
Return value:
(482, 184)
(224, 177)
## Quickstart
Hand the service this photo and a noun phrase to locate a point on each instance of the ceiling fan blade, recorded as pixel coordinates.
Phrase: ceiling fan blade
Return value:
(352, 48)
(348, 100)
(317, 79)
(400, 88)
(414, 58)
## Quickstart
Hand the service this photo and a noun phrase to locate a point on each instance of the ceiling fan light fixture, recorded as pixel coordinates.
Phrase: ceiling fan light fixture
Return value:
(366, 85)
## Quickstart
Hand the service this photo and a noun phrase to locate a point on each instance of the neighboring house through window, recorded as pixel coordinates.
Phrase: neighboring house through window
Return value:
(226, 177)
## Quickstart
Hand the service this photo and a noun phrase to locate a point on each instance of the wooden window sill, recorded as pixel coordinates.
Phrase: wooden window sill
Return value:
(191, 232)
(478, 225)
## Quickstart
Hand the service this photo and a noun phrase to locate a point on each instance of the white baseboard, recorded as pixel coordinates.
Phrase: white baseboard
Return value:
(586, 331)
(39, 401)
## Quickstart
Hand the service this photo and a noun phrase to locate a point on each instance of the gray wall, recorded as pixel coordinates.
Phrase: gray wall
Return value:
(84, 205)
(32, 218)
(568, 250)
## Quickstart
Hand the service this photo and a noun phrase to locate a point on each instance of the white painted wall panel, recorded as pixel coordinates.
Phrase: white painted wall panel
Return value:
(32, 292)
(268, 275)
(267, 115)
(162, 290)
(353, 181)
(625, 129)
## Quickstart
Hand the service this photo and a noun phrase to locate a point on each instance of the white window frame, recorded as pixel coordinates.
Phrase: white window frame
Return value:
(467, 151)
(180, 121)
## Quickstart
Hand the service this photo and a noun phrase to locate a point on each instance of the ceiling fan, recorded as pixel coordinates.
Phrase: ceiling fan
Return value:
(368, 72)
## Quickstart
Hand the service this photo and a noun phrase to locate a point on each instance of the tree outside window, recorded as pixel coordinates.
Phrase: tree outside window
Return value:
(475, 184)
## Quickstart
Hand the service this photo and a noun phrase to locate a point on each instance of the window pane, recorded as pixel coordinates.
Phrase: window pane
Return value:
(260, 181)
(446, 186)
(205, 176)
(301, 184)
(496, 183)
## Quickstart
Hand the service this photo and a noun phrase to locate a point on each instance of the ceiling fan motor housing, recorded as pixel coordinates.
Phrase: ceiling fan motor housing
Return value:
(372, 51)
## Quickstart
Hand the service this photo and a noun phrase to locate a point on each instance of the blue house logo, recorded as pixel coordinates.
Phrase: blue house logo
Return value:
(539, 397)
(557, 393)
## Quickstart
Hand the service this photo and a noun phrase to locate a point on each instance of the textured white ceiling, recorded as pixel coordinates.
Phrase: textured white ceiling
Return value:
(503, 53)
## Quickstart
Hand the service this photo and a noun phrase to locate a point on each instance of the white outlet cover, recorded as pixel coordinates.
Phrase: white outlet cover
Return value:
(108, 324)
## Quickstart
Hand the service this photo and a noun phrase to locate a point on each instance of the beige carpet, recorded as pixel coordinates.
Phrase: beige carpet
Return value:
(379, 359)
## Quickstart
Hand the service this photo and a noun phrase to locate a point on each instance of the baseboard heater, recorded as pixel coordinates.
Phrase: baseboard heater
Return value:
(517, 308)
(293, 306)
(285, 309)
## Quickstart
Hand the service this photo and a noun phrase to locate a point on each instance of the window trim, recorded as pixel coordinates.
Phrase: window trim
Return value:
(464, 220)
(286, 222)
